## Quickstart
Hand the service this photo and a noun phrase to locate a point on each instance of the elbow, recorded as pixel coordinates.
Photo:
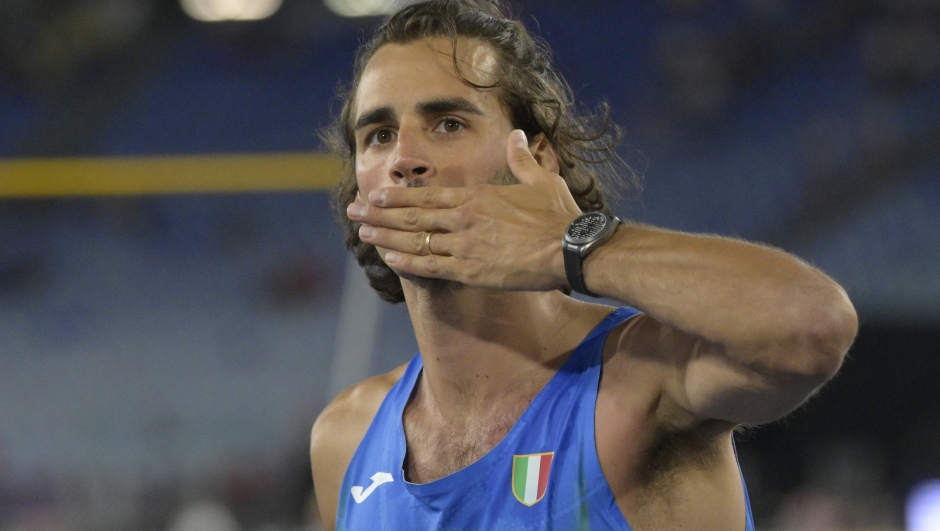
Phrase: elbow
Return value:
(819, 340)
(808, 351)
(825, 331)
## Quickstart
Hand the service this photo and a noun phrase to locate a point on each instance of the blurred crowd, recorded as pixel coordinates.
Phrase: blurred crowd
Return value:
(708, 54)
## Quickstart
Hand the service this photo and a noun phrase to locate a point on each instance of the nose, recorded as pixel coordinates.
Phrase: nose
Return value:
(411, 158)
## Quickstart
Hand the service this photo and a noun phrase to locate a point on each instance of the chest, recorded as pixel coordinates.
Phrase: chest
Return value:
(437, 446)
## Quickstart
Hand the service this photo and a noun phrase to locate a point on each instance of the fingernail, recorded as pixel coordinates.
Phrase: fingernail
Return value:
(521, 139)
(392, 257)
(355, 210)
(366, 232)
(377, 197)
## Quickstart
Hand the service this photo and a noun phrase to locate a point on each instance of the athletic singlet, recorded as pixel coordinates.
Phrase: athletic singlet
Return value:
(544, 474)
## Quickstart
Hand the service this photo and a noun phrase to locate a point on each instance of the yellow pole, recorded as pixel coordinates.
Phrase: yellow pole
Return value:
(122, 176)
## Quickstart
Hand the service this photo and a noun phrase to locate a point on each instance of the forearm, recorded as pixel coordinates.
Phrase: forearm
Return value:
(753, 301)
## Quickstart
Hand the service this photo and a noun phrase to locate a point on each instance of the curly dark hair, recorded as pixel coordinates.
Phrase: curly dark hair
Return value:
(538, 99)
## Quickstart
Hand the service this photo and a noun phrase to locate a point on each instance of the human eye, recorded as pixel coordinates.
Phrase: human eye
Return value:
(449, 125)
(380, 136)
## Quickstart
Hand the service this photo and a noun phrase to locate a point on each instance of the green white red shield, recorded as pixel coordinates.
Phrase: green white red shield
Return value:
(530, 476)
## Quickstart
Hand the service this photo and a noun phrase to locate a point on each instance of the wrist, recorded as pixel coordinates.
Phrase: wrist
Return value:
(583, 236)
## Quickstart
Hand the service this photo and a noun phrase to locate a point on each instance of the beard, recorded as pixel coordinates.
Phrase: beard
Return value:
(440, 286)
(504, 177)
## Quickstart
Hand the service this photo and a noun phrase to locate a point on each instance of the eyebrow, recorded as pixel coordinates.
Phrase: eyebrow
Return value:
(424, 108)
(382, 114)
(446, 105)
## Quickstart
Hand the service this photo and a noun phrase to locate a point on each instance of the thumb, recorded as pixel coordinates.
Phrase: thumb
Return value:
(521, 162)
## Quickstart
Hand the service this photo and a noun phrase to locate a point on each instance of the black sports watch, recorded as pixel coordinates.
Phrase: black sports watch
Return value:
(586, 233)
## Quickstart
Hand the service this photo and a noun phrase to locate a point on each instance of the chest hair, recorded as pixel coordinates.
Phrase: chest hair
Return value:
(439, 446)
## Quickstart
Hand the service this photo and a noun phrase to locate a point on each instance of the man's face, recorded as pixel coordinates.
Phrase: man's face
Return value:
(417, 123)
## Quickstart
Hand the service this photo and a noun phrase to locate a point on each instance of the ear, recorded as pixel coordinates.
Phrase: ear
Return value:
(544, 153)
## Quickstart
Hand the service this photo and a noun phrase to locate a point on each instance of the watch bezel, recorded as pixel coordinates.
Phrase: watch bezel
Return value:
(583, 219)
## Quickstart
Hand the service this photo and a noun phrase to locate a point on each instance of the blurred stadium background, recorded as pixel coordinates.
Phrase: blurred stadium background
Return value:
(174, 291)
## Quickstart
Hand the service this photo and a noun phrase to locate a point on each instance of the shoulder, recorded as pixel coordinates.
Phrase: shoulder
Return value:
(634, 371)
(659, 460)
(643, 360)
(336, 435)
(639, 397)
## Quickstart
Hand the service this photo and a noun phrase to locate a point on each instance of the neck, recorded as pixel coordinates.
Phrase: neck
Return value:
(480, 347)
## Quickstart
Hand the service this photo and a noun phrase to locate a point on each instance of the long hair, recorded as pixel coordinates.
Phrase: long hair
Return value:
(538, 99)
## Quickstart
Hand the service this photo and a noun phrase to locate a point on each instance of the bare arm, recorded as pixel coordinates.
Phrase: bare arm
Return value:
(329, 457)
(336, 435)
(333, 441)
(747, 331)
(757, 330)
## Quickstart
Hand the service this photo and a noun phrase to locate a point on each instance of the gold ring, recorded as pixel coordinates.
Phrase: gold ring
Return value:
(427, 242)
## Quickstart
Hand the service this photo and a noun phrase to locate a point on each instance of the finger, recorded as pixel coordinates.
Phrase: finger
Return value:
(415, 243)
(356, 208)
(431, 266)
(521, 162)
(411, 219)
(424, 197)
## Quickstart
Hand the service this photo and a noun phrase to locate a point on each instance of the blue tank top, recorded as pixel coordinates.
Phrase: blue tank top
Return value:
(544, 474)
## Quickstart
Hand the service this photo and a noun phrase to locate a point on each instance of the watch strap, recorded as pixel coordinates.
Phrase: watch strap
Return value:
(574, 271)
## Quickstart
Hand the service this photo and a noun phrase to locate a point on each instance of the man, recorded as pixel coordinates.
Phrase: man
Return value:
(527, 408)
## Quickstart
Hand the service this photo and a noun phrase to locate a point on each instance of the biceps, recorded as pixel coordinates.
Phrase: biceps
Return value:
(713, 385)
(326, 490)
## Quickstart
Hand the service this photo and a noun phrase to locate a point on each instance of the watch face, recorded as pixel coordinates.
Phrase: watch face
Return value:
(586, 228)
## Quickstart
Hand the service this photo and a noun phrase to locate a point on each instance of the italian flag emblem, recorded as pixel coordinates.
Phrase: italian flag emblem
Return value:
(530, 476)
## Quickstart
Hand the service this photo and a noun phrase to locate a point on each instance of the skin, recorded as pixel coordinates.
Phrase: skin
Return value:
(732, 332)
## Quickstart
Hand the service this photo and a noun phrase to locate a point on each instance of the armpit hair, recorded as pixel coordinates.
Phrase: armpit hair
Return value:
(677, 452)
